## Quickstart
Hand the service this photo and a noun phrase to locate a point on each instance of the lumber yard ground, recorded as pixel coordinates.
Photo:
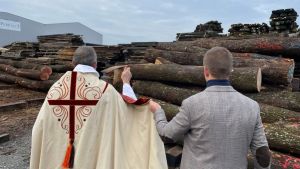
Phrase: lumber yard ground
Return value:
(19, 108)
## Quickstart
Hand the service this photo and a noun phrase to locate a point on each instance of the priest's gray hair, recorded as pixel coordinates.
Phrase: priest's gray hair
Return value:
(85, 55)
(218, 60)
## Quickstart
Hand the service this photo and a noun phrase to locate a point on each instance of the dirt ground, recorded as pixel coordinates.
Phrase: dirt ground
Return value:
(15, 154)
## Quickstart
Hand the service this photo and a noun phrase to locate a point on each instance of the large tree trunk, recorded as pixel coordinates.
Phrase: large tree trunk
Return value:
(279, 161)
(284, 137)
(274, 70)
(281, 137)
(61, 68)
(242, 79)
(26, 65)
(272, 114)
(161, 91)
(284, 99)
(27, 83)
(27, 73)
(263, 45)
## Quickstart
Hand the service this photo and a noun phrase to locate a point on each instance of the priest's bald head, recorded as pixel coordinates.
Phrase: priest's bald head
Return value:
(217, 64)
(85, 55)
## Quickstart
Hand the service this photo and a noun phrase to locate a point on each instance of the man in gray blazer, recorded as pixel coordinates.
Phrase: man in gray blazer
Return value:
(219, 125)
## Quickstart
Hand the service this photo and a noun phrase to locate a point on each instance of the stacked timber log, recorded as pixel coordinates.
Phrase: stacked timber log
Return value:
(209, 29)
(284, 20)
(248, 29)
(175, 73)
(286, 47)
(169, 84)
(211, 26)
(50, 44)
(19, 50)
(106, 55)
(134, 52)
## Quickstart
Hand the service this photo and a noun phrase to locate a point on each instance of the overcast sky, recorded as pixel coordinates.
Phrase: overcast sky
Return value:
(125, 21)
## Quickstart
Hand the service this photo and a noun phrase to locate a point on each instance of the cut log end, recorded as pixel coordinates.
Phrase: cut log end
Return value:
(259, 79)
(44, 76)
(46, 69)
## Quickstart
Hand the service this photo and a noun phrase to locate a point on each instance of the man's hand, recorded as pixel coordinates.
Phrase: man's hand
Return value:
(126, 75)
(154, 106)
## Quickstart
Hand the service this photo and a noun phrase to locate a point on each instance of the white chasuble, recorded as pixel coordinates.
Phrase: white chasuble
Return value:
(85, 123)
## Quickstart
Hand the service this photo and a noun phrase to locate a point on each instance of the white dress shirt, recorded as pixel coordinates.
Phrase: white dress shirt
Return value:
(127, 89)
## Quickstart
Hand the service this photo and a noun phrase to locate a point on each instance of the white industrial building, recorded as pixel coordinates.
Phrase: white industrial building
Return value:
(15, 28)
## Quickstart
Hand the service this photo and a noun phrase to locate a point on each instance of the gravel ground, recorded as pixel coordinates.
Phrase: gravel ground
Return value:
(15, 154)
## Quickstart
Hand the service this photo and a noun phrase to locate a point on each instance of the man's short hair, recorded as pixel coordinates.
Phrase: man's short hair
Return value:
(85, 55)
(218, 60)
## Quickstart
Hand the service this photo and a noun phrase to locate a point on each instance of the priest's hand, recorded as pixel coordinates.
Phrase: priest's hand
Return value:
(126, 75)
(154, 106)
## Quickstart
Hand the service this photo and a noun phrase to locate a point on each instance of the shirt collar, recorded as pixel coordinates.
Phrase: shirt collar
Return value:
(217, 83)
(85, 69)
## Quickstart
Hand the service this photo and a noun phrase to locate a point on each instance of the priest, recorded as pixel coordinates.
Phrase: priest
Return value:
(84, 123)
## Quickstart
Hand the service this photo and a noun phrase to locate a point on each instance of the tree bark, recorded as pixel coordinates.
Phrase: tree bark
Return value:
(26, 65)
(279, 161)
(274, 70)
(284, 137)
(275, 46)
(27, 83)
(242, 79)
(278, 105)
(27, 73)
(56, 76)
(163, 92)
(61, 68)
(160, 60)
(272, 114)
(284, 99)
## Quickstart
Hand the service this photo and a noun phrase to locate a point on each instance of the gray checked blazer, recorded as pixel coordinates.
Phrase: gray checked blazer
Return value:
(219, 126)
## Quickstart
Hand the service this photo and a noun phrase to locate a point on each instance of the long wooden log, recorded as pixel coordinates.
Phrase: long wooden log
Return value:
(281, 103)
(285, 46)
(272, 114)
(279, 161)
(284, 137)
(283, 133)
(27, 73)
(26, 65)
(27, 83)
(243, 79)
(163, 92)
(61, 68)
(284, 99)
(188, 47)
(274, 70)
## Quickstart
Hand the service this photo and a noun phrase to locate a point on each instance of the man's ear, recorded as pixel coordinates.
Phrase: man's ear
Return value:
(94, 65)
(206, 72)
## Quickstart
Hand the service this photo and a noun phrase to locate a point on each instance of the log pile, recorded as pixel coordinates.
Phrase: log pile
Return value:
(211, 26)
(50, 44)
(209, 29)
(19, 50)
(175, 73)
(135, 51)
(248, 29)
(285, 47)
(284, 20)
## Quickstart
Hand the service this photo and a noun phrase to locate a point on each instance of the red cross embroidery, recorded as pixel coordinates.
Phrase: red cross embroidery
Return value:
(72, 103)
